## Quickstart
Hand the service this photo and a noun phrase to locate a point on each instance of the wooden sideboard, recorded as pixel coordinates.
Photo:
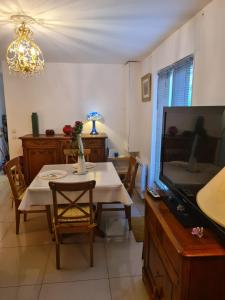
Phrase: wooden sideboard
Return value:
(42, 150)
(177, 265)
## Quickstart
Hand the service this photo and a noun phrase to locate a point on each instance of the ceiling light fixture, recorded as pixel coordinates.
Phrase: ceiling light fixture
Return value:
(23, 55)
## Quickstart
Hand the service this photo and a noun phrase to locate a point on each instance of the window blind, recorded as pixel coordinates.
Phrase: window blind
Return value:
(182, 82)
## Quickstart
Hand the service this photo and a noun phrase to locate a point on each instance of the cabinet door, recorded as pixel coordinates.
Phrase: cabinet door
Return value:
(64, 145)
(39, 157)
(97, 146)
(161, 280)
(97, 155)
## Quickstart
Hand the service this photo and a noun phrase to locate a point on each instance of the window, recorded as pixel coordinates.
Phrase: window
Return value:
(174, 89)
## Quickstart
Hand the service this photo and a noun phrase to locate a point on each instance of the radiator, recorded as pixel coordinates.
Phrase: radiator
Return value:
(141, 178)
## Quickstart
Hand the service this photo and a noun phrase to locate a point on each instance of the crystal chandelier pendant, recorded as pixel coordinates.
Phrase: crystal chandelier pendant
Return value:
(23, 55)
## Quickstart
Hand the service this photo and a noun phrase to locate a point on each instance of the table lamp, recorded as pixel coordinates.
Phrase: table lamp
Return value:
(94, 116)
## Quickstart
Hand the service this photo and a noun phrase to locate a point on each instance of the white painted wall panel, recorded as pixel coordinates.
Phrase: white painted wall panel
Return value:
(64, 93)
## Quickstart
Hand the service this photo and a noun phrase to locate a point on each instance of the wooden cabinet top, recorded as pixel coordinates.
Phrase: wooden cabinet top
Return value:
(183, 241)
(62, 136)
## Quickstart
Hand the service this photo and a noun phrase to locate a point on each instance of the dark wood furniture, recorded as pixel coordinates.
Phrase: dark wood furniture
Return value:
(71, 155)
(73, 217)
(129, 183)
(177, 265)
(18, 186)
(42, 150)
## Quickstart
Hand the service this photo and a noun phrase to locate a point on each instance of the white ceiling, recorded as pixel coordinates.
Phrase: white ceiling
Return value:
(97, 31)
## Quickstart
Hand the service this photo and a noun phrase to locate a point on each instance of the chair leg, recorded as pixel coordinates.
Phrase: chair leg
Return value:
(91, 239)
(143, 253)
(24, 217)
(57, 251)
(49, 218)
(12, 201)
(128, 215)
(99, 214)
(57, 248)
(17, 220)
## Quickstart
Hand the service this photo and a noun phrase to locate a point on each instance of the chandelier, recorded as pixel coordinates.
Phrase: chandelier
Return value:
(23, 55)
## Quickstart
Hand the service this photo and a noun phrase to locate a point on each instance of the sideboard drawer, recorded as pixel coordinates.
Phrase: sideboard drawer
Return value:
(38, 143)
(93, 143)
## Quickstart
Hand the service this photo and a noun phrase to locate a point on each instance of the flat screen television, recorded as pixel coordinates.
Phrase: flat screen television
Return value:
(192, 153)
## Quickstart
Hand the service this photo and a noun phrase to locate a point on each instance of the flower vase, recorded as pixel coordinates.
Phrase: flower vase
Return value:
(81, 167)
(81, 160)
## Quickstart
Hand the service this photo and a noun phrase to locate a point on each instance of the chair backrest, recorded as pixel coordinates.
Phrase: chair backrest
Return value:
(16, 179)
(59, 188)
(129, 181)
(72, 155)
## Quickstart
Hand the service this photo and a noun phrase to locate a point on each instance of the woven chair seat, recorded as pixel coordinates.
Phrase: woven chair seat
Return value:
(74, 213)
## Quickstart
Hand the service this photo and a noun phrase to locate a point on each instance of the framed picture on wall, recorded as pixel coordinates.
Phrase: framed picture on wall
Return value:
(146, 82)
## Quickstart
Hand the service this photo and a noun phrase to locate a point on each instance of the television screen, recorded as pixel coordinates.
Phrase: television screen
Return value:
(192, 153)
(193, 146)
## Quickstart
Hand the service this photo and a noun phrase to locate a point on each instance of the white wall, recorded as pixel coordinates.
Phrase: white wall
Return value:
(204, 37)
(2, 112)
(133, 90)
(2, 99)
(62, 94)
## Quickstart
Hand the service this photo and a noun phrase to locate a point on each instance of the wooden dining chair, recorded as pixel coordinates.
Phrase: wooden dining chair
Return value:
(129, 183)
(18, 187)
(72, 155)
(21, 162)
(73, 217)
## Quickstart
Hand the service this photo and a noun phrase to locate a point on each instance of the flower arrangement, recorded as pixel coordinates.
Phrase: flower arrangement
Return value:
(76, 138)
(78, 127)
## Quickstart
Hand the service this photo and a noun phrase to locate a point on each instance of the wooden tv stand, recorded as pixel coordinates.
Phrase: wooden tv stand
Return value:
(177, 265)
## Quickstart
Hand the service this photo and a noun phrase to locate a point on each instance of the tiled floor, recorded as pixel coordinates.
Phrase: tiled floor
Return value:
(27, 261)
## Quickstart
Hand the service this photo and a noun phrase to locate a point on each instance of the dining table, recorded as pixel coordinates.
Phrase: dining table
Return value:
(109, 187)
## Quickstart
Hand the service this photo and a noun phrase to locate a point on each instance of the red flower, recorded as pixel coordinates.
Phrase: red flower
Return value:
(77, 129)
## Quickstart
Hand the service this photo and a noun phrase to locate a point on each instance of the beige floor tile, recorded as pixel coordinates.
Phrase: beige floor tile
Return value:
(114, 223)
(128, 288)
(7, 212)
(4, 227)
(4, 188)
(80, 290)
(20, 293)
(124, 257)
(116, 226)
(75, 263)
(32, 233)
(22, 265)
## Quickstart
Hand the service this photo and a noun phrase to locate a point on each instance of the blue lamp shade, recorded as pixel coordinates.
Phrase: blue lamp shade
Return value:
(94, 116)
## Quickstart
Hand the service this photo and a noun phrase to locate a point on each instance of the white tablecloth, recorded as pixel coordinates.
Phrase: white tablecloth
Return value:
(109, 187)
